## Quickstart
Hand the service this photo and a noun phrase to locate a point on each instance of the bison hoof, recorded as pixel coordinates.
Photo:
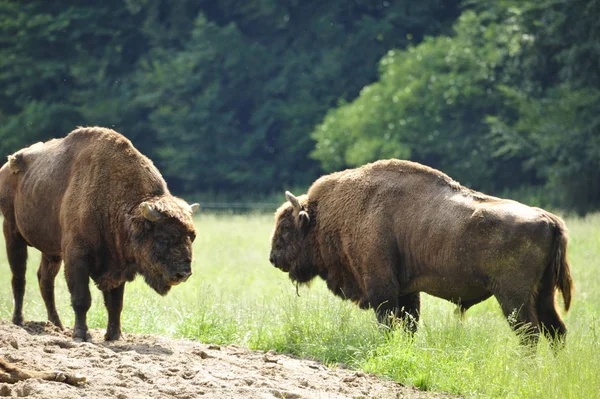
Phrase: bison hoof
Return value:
(59, 324)
(56, 322)
(112, 335)
(80, 335)
(17, 320)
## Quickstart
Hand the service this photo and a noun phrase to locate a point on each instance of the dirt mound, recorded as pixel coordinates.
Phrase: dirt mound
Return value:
(146, 366)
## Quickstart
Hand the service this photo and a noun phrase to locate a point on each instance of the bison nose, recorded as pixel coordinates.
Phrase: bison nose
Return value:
(182, 276)
(271, 259)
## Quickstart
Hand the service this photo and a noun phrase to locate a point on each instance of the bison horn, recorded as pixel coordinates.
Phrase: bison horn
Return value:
(293, 200)
(194, 207)
(149, 212)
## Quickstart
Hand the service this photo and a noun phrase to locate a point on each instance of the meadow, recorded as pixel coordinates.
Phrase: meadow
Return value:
(236, 296)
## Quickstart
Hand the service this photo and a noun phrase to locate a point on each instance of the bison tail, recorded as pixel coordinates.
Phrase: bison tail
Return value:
(560, 267)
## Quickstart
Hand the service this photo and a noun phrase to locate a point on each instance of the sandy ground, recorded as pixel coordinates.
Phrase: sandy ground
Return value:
(147, 366)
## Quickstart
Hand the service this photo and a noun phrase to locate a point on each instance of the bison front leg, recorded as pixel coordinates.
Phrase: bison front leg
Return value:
(383, 298)
(113, 300)
(404, 310)
(78, 281)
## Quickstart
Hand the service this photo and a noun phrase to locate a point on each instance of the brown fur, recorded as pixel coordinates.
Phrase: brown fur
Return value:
(81, 199)
(10, 373)
(381, 234)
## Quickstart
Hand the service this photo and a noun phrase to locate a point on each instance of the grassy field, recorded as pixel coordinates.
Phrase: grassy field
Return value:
(236, 296)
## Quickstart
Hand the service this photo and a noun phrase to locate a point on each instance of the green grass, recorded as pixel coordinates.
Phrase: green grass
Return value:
(236, 296)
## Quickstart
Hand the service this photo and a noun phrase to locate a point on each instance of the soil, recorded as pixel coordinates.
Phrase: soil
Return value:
(148, 366)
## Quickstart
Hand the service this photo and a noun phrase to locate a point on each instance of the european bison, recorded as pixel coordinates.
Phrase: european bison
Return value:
(382, 233)
(95, 202)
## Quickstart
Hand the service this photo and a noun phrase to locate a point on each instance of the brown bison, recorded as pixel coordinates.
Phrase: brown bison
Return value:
(95, 202)
(382, 233)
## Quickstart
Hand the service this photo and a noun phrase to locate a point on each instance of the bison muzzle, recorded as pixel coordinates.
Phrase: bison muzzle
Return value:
(382, 233)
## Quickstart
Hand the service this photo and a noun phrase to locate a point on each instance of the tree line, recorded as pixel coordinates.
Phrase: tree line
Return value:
(232, 97)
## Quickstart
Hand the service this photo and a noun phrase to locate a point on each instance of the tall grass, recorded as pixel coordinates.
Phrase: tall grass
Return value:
(236, 296)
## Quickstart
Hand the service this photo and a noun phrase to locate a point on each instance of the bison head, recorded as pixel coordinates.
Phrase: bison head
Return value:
(163, 245)
(292, 248)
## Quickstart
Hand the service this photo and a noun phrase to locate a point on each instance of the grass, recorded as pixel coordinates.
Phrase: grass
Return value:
(236, 296)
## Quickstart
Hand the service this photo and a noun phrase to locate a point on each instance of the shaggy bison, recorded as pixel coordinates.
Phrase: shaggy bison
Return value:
(382, 233)
(95, 202)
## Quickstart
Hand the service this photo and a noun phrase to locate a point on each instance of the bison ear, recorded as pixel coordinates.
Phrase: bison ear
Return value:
(149, 212)
(303, 220)
(194, 208)
(293, 200)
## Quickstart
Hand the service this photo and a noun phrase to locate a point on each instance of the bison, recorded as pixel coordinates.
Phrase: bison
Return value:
(382, 233)
(92, 200)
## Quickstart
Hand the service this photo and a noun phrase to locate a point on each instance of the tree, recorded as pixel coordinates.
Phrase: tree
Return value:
(233, 103)
(509, 101)
(222, 95)
(557, 127)
(63, 66)
(431, 104)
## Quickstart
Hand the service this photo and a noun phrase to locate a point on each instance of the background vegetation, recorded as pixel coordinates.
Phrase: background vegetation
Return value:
(232, 97)
(235, 100)
(236, 296)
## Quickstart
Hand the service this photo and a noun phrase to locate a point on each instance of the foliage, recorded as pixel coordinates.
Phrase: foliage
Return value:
(557, 127)
(509, 101)
(222, 95)
(63, 66)
(558, 135)
(430, 105)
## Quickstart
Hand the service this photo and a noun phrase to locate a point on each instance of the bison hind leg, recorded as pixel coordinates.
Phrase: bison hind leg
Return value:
(522, 316)
(49, 267)
(16, 250)
(552, 325)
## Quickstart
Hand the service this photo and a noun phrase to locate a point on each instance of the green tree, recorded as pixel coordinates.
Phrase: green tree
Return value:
(233, 102)
(222, 95)
(63, 65)
(507, 102)
(431, 104)
(557, 127)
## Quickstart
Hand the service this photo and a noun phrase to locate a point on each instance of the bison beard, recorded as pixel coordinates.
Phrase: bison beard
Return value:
(95, 202)
(381, 234)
